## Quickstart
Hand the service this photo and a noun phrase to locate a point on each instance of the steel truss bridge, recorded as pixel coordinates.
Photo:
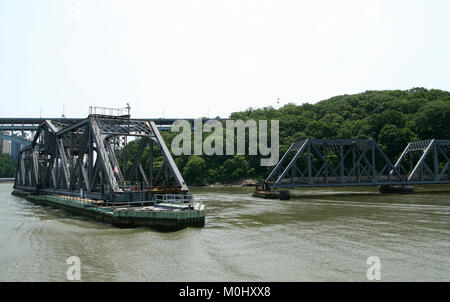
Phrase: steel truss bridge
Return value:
(361, 162)
(21, 131)
(81, 158)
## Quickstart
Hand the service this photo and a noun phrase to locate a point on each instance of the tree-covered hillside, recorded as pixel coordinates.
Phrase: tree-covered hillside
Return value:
(393, 118)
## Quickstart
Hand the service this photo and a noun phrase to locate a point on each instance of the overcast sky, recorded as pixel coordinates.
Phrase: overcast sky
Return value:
(191, 58)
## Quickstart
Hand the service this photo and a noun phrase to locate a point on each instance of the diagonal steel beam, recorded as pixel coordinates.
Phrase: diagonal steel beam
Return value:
(421, 160)
(300, 151)
(102, 153)
(279, 164)
(64, 163)
(165, 151)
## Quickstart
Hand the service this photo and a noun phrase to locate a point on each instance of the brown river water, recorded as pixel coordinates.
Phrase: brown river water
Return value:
(320, 235)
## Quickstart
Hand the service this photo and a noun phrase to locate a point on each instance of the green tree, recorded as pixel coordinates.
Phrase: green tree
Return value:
(195, 169)
(394, 140)
(7, 166)
(433, 120)
(235, 168)
(320, 129)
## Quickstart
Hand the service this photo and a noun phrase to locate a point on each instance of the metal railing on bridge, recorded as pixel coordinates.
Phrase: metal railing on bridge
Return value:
(174, 200)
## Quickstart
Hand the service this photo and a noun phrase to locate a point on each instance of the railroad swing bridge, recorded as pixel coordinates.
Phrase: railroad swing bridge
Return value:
(81, 158)
(74, 164)
(361, 162)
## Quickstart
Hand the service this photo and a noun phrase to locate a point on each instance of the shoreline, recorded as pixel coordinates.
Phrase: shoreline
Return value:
(248, 182)
(7, 180)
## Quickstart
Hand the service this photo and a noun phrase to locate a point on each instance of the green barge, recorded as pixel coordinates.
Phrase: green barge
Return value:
(166, 216)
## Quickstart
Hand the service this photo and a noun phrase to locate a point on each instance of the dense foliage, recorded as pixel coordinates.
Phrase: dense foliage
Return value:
(393, 118)
(7, 166)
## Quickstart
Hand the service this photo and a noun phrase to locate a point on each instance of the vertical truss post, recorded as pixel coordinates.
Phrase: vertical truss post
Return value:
(150, 163)
(309, 165)
(91, 155)
(342, 158)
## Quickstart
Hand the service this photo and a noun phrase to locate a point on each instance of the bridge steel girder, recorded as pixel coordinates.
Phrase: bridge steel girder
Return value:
(26, 128)
(336, 163)
(80, 158)
(426, 162)
(333, 163)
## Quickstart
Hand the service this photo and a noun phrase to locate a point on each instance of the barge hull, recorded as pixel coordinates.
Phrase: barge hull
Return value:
(122, 217)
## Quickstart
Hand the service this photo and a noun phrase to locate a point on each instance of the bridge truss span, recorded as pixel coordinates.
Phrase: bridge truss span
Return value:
(426, 162)
(82, 157)
(333, 162)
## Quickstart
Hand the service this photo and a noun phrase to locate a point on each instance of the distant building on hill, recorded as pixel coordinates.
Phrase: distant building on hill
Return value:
(5, 146)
